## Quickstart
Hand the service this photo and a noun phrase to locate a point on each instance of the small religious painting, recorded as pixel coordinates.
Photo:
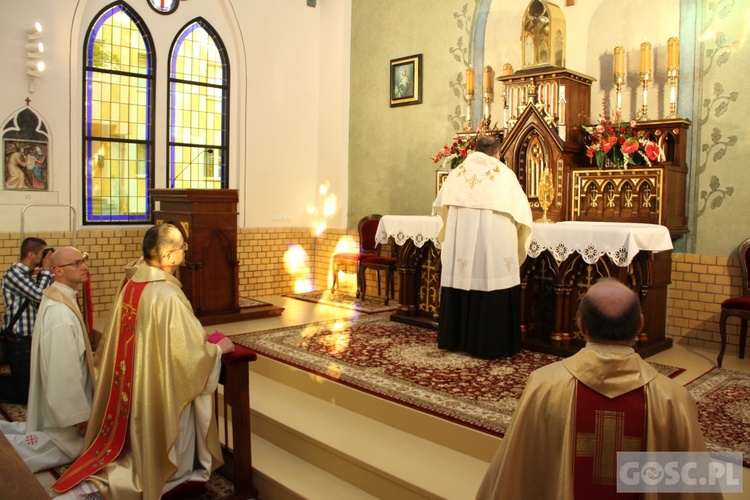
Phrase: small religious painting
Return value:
(406, 81)
(25, 165)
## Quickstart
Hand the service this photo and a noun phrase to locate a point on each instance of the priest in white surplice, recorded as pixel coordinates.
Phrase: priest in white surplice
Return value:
(486, 229)
(61, 387)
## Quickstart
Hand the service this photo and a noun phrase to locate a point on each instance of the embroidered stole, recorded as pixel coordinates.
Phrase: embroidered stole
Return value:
(114, 428)
(604, 426)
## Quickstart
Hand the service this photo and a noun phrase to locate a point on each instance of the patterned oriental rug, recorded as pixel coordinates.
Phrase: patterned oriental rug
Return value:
(346, 300)
(723, 398)
(402, 363)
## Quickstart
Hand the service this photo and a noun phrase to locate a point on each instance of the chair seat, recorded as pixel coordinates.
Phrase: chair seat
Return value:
(379, 261)
(737, 303)
(353, 257)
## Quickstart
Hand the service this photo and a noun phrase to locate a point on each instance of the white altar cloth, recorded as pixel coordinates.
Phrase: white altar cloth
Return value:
(418, 228)
(621, 241)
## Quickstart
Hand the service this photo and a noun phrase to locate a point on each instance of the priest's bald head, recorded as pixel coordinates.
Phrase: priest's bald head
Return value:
(164, 247)
(610, 313)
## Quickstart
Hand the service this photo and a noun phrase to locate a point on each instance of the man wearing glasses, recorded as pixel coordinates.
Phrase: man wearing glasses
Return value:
(158, 371)
(23, 284)
(61, 388)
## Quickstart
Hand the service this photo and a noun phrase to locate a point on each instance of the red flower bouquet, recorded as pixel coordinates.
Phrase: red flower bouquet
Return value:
(616, 143)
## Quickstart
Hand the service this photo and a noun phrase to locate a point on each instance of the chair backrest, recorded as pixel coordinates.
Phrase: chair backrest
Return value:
(367, 228)
(744, 256)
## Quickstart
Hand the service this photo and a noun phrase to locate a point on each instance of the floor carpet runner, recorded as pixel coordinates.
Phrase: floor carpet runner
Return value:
(402, 363)
(723, 398)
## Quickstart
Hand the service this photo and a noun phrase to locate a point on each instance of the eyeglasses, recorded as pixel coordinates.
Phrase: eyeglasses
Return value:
(77, 263)
(184, 248)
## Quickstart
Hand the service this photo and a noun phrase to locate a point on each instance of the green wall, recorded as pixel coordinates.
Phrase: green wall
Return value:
(390, 170)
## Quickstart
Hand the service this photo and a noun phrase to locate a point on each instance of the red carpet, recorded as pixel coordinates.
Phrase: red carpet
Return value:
(723, 398)
(402, 363)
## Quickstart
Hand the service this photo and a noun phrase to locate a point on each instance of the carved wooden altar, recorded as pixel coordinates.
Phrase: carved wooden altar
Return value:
(547, 109)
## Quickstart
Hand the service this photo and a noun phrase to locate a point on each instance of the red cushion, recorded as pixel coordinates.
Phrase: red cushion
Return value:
(355, 257)
(737, 303)
(383, 261)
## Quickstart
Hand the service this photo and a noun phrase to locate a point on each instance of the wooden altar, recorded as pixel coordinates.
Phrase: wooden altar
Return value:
(564, 261)
(210, 275)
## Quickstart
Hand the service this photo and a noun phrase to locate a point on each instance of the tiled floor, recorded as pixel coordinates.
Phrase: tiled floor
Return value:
(695, 361)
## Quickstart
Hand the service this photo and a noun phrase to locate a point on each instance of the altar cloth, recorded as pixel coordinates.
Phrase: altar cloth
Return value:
(418, 228)
(621, 241)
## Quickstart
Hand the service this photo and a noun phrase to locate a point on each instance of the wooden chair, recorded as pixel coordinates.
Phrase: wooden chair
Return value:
(366, 228)
(378, 263)
(737, 306)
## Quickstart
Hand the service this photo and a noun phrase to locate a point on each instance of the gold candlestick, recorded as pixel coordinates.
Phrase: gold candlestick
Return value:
(619, 74)
(645, 78)
(469, 99)
(545, 193)
(643, 116)
(673, 74)
(489, 93)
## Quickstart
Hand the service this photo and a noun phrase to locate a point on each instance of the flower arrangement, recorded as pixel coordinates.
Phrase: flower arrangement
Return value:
(616, 142)
(463, 144)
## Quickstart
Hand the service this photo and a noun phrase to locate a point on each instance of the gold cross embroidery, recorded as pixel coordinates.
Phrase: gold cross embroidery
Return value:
(603, 444)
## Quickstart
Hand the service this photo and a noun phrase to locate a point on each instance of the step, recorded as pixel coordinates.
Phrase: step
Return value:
(378, 447)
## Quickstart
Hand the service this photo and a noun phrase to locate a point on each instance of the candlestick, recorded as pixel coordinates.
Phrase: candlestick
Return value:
(646, 61)
(619, 64)
(489, 80)
(673, 53)
(470, 81)
(644, 107)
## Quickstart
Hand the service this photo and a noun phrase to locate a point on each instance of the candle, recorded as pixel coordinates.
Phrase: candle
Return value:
(673, 53)
(646, 58)
(470, 80)
(619, 64)
(489, 77)
(507, 69)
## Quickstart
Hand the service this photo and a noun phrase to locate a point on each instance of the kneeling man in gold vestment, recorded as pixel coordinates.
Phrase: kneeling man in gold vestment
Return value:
(152, 425)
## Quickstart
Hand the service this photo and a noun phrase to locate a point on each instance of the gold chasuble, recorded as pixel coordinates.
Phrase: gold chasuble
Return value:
(575, 414)
(112, 434)
(152, 424)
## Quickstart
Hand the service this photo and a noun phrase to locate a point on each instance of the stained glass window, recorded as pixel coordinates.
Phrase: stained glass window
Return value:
(198, 96)
(118, 116)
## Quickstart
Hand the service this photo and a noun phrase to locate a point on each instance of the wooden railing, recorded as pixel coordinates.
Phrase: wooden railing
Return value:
(238, 464)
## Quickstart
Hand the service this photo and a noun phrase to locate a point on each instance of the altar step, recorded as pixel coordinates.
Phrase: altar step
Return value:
(318, 439)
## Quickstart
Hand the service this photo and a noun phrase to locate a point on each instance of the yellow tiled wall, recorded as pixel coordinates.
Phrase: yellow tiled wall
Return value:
(699, 283)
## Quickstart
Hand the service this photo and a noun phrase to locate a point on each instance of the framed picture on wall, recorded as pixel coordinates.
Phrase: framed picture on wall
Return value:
(25, 165)
(406, 81)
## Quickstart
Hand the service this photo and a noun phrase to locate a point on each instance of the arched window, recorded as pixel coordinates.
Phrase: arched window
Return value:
(198, 112)
(118, 116)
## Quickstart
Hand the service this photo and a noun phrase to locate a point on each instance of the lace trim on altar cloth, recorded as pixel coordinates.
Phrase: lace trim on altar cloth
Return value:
(418, 229)
(590, 254)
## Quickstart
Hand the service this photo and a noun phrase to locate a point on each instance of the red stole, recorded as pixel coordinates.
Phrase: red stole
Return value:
(604, 426)
(114, 430)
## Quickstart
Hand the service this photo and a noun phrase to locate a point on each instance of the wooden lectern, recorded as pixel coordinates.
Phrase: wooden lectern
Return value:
(208, 220)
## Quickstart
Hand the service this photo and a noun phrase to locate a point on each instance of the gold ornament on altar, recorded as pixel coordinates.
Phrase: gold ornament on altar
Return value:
(545, 194)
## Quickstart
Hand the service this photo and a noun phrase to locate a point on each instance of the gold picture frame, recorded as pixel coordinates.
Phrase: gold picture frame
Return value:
(406, 81)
